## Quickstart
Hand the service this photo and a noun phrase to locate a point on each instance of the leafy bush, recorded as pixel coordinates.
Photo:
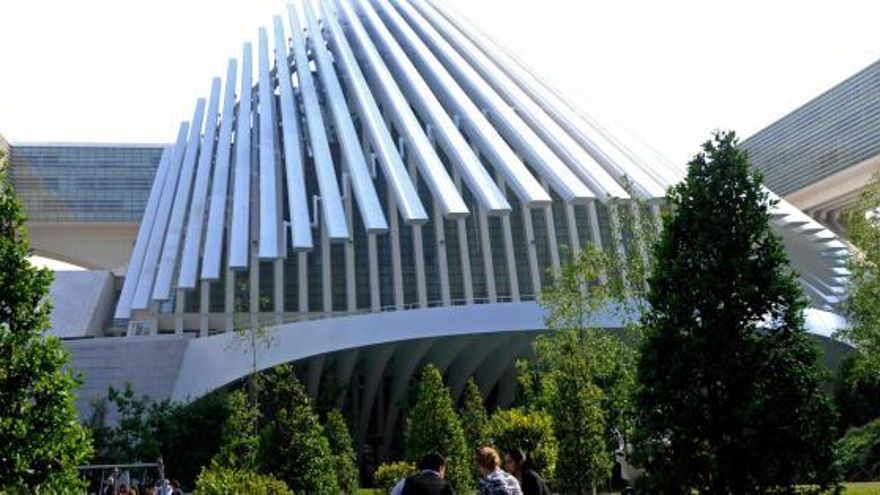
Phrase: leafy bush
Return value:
(342, 449)
(184, 435)
(41, 442)
(389, 473)
(511, 429)
(857, 454)
(433, 425)
(856, 393)
(730, 397)
(293, 445)
(221, 481)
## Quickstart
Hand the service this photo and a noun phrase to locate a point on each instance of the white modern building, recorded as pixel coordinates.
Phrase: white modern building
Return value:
(820, 156)
(383, 186)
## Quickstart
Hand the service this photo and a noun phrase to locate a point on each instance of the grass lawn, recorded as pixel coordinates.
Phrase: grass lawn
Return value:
(862, 488)
(872, 488)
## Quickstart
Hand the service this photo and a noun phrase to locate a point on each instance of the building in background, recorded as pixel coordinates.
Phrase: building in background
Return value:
(83, 201)
(820, 156)
(381, 186)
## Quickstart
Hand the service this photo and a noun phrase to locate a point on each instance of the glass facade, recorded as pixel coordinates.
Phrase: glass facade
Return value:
(834, 131)
(83, 182)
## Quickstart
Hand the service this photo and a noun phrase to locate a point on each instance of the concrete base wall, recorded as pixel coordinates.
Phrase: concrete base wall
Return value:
(81, 303)
(97, 246)
(149, 364)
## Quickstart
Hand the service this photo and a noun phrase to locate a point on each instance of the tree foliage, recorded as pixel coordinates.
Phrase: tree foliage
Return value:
(730, 398)
(217, 480)
(41, 441)
(583, 375)
(575, 402)
(473, 415)
(857, 454)
(240, 439)
(432, 425)
(184, 435)
(250, 334)
(294, 447)
(134, 438)
(530, 431)
(856, 394)
(387, 475)
(863, 302)
(342, 449)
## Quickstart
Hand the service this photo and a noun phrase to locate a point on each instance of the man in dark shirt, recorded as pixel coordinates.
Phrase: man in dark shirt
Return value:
(529, 479)
(429, 480)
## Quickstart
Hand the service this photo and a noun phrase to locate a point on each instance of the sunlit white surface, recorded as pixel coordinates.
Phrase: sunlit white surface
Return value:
(671, 71)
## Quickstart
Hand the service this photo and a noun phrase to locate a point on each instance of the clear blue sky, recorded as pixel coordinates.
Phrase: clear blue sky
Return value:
(125, 71)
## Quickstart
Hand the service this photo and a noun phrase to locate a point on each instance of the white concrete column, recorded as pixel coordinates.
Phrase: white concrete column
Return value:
(574, 242)
(418, 247)
(278, 289)
(595, 230)
(373, 260)
(350, 279)
(464, 252)
(488, 263)
(229, 299)
(178, 311)
(326, 273)
(551, 234)
(302, 273)
(394, 239)
(509, 253)
(204, 307)
(442, 261)
(533, 252)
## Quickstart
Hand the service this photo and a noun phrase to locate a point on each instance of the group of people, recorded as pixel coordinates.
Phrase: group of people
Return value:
(519, 478)
(164, 487)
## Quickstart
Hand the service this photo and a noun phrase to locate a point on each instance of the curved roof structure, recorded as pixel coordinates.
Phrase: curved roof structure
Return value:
(385, 154)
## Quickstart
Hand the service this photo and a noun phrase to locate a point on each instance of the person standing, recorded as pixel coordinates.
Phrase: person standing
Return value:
(522, 467)
(430, 480)
(494, 481)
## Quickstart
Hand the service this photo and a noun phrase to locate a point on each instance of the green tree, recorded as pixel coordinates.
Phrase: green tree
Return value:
(530, 431)
(216, 480)
(342, 449)
(473, 419)
(857, 453)
(730, 398)
(388, 474)
(41, 441)
(528, 386)
(134, 437)
(187, 434)
(250, 334)
(473, 415)
(433, 425)
(575, 403)
(293, 444)
(585, 375)
(240, 439)
(863, 302)
(184, 435)
(856, 394)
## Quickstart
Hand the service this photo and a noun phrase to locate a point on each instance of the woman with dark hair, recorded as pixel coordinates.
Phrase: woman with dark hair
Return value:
(521, 466)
